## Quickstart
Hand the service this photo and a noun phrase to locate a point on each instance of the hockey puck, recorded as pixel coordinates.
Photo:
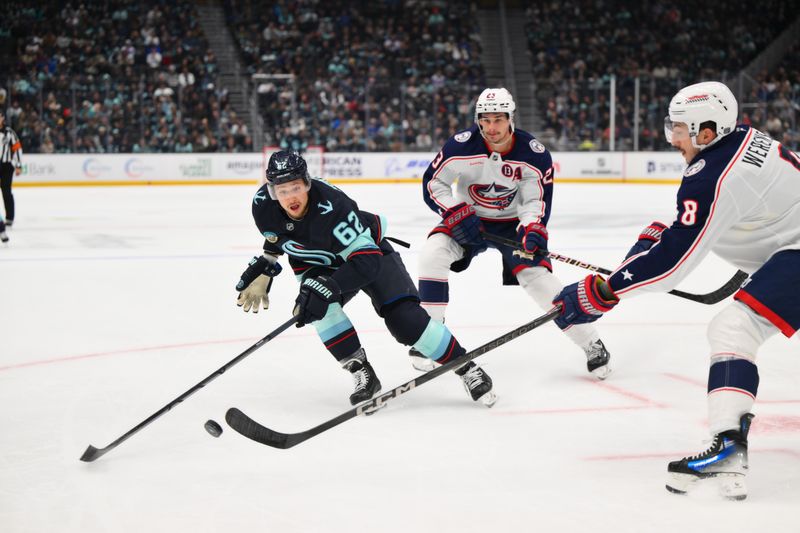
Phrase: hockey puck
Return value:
(214, 429)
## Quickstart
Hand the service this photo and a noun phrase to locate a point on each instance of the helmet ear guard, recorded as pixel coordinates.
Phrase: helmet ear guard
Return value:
(285, 166)
(495, 100)
(698, 104)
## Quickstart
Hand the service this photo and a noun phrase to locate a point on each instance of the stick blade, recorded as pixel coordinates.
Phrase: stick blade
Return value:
(91, 454)
(246, 426)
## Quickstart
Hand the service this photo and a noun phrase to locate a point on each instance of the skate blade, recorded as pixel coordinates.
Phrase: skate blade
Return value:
(423, 364)
(729, 485)
(488, 399)
(680, 483)
(601, 372)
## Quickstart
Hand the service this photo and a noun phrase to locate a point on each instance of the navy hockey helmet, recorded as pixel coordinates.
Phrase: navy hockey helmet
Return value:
(285, 166)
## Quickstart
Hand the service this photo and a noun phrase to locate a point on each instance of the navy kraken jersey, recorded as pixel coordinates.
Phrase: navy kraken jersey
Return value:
(739, 198)
(333, 233)
(516, 185)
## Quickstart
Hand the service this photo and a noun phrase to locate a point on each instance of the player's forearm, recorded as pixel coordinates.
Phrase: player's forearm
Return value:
(360, 269)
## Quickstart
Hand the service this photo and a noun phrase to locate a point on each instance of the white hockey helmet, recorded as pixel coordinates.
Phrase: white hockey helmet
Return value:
(495, 100)
(709, 101)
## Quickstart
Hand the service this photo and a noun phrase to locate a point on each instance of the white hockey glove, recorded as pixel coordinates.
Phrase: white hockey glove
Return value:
(256, 294)
(255, 282)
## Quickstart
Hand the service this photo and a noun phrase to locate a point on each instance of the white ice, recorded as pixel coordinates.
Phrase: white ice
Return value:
(117, 300)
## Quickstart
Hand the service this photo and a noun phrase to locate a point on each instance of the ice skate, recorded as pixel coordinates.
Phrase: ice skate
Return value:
(597, 359)
(366, 381)
(725, 461)
(3, 236)
(420, 361)
(477, 383)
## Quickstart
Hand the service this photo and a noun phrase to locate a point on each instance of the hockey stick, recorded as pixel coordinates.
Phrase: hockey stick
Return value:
(251, 429)
(710, 298)
(93, 453)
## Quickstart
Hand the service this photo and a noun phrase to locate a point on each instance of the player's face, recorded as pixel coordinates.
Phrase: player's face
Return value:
(682, 142)
(496, 128)
(293, 197)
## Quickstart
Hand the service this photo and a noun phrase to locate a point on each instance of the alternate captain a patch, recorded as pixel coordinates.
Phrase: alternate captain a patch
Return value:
(492, 196)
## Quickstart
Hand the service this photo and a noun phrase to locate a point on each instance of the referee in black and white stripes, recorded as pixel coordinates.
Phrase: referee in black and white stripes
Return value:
(10, 164)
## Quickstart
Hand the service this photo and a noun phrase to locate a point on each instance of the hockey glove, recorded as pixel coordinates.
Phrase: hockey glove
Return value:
(256, 294)
(533, 237)
(255, 283)
(647, 238)
(316, 294)
(584, 301)
(464, 225)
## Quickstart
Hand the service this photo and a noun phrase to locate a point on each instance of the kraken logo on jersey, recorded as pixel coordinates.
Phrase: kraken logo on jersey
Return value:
(492, 196)
(258, 197)
(312, 257)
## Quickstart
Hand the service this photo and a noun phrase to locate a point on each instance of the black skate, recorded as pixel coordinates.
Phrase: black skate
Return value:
(597, 358)
(366, 381)
(478, 383)
(725, 459)
(3, 236)
(420, 361)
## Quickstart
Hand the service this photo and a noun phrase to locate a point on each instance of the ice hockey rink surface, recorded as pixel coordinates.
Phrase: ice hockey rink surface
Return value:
(117, 300)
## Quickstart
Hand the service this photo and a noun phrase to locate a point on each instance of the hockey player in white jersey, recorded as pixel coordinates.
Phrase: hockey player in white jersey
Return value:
(740, 198)
(504, 187)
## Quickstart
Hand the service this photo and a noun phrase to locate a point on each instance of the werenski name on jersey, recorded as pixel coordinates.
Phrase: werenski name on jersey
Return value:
(739, 198)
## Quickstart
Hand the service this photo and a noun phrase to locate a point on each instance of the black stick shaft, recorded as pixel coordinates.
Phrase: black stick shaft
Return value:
(93, 453)
(711, 298)
(251, 429)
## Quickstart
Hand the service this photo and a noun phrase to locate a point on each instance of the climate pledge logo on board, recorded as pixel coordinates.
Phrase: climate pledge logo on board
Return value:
(199, 169)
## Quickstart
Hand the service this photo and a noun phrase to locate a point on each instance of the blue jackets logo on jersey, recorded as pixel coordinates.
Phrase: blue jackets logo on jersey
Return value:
(694, 169)
(463, 136)
(492, 196)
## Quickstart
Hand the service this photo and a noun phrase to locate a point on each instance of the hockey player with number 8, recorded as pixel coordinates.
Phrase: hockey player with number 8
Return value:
(337, 250)
(739, 197)
(504, 187)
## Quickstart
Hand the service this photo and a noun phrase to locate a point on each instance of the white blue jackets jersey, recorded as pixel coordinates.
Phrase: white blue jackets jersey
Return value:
(516, 185)
(739, 198)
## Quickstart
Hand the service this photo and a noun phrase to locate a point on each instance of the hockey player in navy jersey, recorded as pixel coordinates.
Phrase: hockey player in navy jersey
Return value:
(337, 250)
(740, 198)
(505, 187)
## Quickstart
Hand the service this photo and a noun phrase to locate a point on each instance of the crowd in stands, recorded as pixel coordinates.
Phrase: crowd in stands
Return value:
(115, 76)
(774, 101)
(377, 76)
(384, 75)
(577, 46)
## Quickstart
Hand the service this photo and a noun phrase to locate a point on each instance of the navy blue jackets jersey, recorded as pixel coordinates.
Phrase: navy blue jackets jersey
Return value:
(739, 198)
(334, 233)
(513, 186)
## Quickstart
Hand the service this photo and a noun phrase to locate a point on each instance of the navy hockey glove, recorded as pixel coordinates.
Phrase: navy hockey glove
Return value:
(584, 301)
(255, 283)
(464, 225)
(647, 238)
(316, 294)
(533, 237)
